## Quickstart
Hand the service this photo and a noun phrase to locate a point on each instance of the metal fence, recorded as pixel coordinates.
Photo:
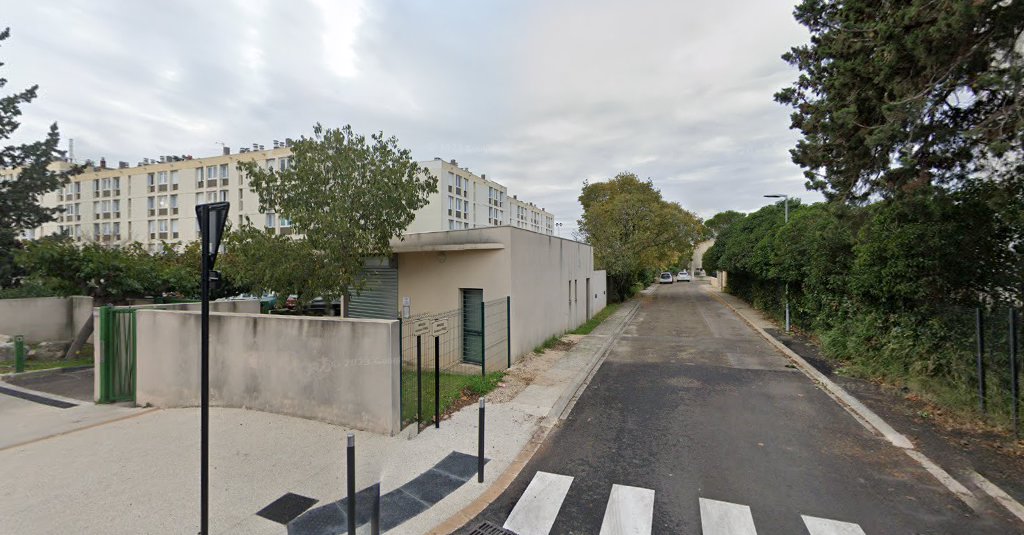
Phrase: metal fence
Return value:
(117, 342)
(996, 340)
(439, 370)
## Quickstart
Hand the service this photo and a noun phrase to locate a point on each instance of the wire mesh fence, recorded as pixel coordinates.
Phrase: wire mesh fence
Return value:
(996, 333)
(444, 363)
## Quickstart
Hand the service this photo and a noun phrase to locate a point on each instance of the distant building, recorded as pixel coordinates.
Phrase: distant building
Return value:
(154, 201)
(465, 200)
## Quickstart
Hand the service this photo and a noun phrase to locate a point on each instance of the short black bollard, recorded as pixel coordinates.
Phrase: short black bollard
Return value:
(375, 514)
(419, 382)
(351, 484)
(480, 447)
(437, 383)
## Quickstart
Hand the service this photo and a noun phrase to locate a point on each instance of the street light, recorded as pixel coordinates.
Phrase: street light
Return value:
(558, 229)
(786, 204)
(212, 217)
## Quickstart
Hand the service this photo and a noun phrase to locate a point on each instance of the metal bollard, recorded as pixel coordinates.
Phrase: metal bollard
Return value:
(351, 484)
(19, 353)
(375, 515)
(480, 446)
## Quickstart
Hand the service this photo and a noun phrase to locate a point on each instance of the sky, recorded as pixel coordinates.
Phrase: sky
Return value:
(539, 95)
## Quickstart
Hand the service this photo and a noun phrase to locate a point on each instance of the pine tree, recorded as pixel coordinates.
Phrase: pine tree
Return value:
(29, 164)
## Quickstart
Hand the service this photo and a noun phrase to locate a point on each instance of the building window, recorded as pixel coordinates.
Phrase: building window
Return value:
(223, 195)
(271, 223)
(270, 164)
(223, 170)
(174, 201)
(199, 177)
(285, 222)
(174, 178)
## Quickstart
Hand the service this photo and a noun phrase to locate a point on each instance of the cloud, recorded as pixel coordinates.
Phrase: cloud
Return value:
(538, 95)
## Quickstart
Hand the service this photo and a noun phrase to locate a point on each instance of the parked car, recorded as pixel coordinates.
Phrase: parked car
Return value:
(683, 276)
(666, 278)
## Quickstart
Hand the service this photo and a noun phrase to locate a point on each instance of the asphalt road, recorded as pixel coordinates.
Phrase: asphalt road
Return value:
(693, 405)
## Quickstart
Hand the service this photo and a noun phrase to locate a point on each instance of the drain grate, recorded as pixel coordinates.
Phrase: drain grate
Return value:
(486, 528)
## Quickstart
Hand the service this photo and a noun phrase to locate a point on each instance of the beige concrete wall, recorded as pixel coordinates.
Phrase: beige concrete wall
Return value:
(599, 291)
(548, 287)
(432, 280)
(697, 260)
(342, 371)
(42, 319)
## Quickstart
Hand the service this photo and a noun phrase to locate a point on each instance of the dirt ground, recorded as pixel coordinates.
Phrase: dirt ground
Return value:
(523, 372)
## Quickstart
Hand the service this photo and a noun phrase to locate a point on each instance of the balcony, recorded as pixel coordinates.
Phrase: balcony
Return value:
(161, 187)
(211, 183)
(162, 211)
(105, 193)
(224, 181)
(285, 231)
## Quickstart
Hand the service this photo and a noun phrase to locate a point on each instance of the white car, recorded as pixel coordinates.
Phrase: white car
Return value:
(683, 277)
(666, 278)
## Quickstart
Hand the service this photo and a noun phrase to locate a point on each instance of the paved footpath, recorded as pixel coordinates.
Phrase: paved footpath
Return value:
(695, 424)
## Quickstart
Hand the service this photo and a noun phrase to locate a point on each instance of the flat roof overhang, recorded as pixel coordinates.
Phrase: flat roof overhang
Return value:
(430, 248)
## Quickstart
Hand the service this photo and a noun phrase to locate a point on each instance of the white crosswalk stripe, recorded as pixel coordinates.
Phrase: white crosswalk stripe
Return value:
(824, 526)
(630, 511)
(724, 518)
(536, 510)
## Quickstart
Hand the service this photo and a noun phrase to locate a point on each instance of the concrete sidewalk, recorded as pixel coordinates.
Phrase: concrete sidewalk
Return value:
(141, 474)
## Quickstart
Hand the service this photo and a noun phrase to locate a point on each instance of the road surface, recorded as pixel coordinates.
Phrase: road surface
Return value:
(694, 424)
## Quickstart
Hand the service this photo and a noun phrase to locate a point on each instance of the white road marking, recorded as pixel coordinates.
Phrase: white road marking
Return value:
(630, 511)
(1007, 501)
(824, 526)
(535, 512)
(724, 518)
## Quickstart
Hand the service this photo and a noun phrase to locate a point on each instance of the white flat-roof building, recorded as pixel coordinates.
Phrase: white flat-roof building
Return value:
(154, 201)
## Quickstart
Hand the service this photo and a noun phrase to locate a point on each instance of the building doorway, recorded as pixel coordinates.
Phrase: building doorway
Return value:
(472, 325)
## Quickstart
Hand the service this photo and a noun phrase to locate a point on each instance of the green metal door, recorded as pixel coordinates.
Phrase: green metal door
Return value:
(473, 325)
(117, 344)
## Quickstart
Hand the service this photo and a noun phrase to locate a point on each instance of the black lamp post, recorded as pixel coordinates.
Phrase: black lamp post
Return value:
(212, 217)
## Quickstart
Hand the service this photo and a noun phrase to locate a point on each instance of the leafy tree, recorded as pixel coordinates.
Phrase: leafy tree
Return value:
(263, 262)
(721, 221)
(19, 197)
(895, 96)
(633, 229)
(348, 196)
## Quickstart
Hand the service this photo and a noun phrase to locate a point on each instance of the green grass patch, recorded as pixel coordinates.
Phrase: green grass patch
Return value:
(453, 388)
(547, 344)
(30, 365)
(593, 322)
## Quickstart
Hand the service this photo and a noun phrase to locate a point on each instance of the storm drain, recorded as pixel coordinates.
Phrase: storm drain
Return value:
(486, 528)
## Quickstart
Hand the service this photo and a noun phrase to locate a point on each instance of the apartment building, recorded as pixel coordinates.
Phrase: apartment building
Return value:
(154, 201)
(465, 200)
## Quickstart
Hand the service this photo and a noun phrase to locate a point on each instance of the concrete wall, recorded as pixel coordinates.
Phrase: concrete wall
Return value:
(599, 290)
(243, 307)
(342, 371)
(549, 295)
(43, 319)
(431, 280)
(697, 260)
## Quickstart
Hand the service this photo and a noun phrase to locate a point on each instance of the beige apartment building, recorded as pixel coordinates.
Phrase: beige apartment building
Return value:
(465, 200)
(154, 201)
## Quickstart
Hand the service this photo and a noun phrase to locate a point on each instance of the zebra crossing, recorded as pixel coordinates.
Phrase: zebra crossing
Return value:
(630, 511)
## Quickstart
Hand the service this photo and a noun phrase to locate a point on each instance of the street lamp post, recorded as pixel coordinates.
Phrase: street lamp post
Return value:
(211, 218)
(785, 199)
(558, 229)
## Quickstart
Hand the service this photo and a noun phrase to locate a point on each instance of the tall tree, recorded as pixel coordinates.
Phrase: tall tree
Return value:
(633, 229)
(347, 195)
(722, 220)
(894, 96)
(30, 166)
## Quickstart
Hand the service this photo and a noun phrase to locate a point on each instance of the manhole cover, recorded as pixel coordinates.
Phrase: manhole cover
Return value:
(486, 528)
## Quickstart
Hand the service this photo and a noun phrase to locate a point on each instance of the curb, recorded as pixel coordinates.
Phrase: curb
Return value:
(44, 372)
(875, 423)
(558, 411)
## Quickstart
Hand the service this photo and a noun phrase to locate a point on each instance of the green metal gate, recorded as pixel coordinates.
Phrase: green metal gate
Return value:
(473, 325)
(117, 344)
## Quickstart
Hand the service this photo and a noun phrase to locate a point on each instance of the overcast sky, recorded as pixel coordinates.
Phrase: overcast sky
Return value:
(538, 95)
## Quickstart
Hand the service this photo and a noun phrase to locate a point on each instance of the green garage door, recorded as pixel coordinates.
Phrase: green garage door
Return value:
(379, 296)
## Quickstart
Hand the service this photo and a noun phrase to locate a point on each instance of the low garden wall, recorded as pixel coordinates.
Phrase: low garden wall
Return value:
(44, 319)
(342, 371)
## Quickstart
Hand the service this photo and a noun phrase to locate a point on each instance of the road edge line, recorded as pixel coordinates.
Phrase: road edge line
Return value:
(864, 415)
(1013, 506)
(83, 428)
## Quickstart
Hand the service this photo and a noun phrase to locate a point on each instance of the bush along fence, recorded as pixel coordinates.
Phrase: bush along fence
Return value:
(452, 354)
